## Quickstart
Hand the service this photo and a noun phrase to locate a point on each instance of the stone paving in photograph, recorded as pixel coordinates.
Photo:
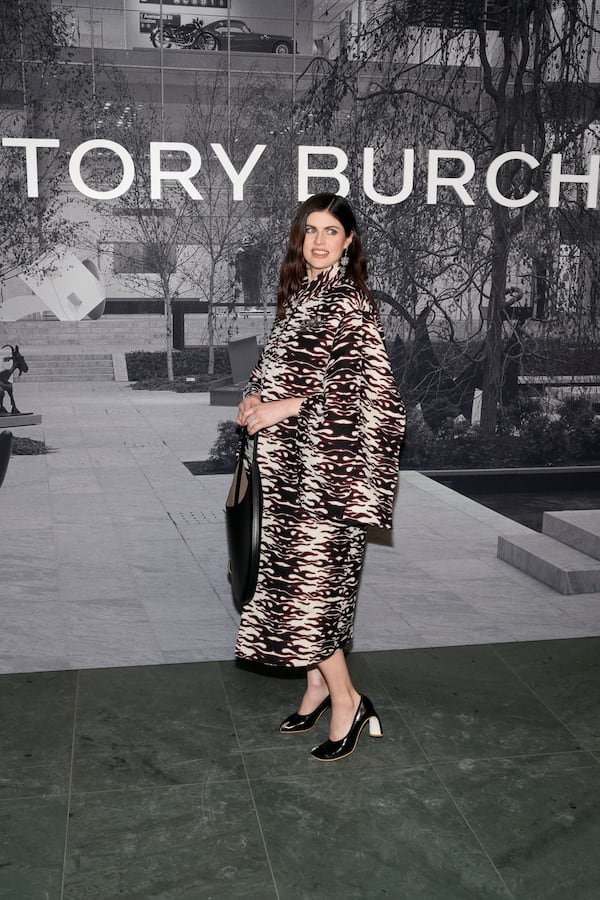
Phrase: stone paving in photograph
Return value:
(113, 554)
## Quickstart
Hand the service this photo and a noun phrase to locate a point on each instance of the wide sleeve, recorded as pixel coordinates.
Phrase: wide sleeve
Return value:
(352, 428)
(328, 426)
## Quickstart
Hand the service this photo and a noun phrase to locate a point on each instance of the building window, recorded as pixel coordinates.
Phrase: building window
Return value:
(457, 15)
(134, 258)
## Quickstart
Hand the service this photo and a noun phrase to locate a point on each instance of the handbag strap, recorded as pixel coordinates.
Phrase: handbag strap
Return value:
(247, 446)
(251, 442)
(240, 464)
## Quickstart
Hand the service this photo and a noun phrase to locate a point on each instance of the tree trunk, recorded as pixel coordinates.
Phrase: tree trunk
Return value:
(210, 321)
(494, 338)
(168, 330)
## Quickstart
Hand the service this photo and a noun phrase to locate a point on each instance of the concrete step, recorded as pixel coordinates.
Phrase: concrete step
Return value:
(93, 365)
(579, 528)
(69, 367)
(64, 364)
(84, 375)
(39, 358)
(562, 567)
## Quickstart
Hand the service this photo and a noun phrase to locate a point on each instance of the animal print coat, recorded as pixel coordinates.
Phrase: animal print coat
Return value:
(326, 474)
(330, 349)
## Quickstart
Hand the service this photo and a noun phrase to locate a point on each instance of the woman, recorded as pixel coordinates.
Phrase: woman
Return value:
(330, 422)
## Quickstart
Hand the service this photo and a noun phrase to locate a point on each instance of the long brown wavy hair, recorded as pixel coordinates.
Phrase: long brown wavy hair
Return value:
(293, 267)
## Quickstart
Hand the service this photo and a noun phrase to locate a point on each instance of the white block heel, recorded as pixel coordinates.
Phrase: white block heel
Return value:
(375, 727)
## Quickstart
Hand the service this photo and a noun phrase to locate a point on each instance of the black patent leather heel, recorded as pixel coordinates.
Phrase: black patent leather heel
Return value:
(297, 723)
(330, 751)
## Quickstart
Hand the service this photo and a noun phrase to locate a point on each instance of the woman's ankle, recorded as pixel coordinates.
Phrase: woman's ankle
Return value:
(313, 696)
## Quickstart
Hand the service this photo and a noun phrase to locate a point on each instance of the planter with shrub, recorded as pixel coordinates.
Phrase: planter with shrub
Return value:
(527, 436)
(148, 369)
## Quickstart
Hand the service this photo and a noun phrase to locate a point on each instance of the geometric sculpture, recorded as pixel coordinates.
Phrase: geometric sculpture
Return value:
(58, 282)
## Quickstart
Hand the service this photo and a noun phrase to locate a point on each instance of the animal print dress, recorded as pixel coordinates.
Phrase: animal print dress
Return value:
(325, 474)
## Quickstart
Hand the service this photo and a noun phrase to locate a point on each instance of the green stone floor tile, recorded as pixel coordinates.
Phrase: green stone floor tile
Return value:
(153, 725)
(367, 681)
(199, 842)
(465, 702)
(32, 844)
(538, 819)
(388, 833)
(478, 790)
(289, 754)
(255, 691)
(36, 733)
(565, 674)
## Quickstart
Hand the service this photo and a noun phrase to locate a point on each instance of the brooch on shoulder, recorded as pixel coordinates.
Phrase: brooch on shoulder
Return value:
(314, 321)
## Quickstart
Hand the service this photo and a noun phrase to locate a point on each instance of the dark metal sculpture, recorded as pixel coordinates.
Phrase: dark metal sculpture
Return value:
(19, 365)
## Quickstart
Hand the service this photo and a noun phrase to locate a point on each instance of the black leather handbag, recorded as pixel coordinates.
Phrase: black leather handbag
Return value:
(243, 511)
(5, 448)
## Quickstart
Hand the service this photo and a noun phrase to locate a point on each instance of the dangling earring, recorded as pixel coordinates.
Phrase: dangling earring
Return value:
(344, 260)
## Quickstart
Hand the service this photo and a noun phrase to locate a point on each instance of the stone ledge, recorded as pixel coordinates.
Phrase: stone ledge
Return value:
(567, 570)
(559, 380)
(579, 528)
(226, 395)
(20, 421)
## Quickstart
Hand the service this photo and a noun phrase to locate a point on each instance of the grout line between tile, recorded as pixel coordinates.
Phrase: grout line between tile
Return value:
(156, 788)
(249, 783)
(69, 787)
(472, 830)
(534, 693)
(398, 708)
(541, 754)
(433, 768)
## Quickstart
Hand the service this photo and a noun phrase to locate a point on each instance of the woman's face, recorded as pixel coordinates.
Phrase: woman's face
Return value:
(324, 242)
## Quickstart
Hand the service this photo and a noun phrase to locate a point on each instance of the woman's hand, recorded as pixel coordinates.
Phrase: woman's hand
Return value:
(248, 405)
(255, 414)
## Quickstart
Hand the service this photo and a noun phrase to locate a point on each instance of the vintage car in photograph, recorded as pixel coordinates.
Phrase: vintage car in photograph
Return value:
(242, 38)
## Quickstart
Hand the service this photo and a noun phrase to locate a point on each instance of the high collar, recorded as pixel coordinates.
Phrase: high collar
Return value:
(309, 289)
(327, 276)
